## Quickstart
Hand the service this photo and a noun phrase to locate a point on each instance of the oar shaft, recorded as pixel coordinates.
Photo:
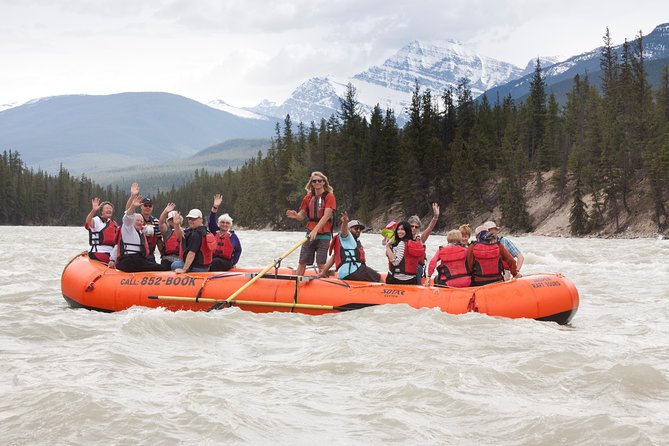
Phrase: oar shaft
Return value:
(264, 270)
(248, 302)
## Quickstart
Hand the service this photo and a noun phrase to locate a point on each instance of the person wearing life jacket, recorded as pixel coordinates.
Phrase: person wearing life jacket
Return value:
(151, 229)
(484, 259)
(415, 223)
(198, 247)
(508, 244)
(102, 230)
(228, 247)
(466, 233)
(130, 252)
(318, 207)
(403, 255)
(348, 255)
(173, 235)
(450, 262)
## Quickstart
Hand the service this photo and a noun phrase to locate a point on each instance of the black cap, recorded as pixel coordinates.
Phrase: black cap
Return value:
(147, 200)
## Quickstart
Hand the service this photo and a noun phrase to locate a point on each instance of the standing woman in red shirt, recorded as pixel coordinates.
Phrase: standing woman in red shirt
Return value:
(318, 207)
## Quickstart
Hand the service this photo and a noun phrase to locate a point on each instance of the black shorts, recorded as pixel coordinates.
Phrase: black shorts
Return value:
(318, 249)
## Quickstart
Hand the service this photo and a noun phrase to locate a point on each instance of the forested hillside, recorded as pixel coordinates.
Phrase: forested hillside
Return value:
(470, 156)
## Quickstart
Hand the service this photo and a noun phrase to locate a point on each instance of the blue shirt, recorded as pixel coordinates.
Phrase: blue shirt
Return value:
(509, 245)
(349, 243)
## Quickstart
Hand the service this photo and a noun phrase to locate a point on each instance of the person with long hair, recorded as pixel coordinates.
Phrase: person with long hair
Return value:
(318, 207)
(402, 261)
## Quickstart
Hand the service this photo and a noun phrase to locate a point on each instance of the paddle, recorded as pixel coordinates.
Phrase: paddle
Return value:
(229, 303)
(267, 268)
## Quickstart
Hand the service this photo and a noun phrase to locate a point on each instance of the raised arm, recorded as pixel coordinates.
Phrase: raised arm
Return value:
(134, 191)
(426, 233)
(95, 206)
(163, 217)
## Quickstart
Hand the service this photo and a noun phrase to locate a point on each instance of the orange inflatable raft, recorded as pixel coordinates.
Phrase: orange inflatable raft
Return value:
(90, 284)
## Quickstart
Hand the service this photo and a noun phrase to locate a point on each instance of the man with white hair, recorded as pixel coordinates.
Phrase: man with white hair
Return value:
(508, 244)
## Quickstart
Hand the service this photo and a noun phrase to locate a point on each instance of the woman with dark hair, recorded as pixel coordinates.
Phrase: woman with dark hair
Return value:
(403, 256)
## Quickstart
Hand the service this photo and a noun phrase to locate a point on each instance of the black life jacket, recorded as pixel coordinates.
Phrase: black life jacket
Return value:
(343, 255)
(126, 248)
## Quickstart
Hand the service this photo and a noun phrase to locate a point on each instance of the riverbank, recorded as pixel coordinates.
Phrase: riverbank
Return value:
(549, 213)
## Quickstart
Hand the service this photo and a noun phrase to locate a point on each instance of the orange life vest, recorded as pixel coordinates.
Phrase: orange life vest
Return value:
(107, 236)
(487, 261)
(173, 244)
(414, 252)
(224, 246)
(453, 269)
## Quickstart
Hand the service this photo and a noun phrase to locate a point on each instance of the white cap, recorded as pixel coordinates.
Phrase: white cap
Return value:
(354, 223)
(194, 213)
(478, 230)
(171, 215)
(490, 224)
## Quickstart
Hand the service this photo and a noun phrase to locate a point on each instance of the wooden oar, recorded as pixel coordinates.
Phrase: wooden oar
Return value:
(230, 303)
(267, 268)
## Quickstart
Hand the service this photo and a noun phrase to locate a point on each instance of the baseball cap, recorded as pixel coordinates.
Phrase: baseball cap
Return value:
(194, 213)
(354, 223)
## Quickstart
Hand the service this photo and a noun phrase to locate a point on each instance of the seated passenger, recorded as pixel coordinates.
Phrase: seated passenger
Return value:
(197, 249)
(151, 229)
(452, 258)
(403, 256)
(173, 235)
(348, 253)
(466, 232)
(131, 252)
(228, 247)
(102, 230)
(484, 259)
(415, 223)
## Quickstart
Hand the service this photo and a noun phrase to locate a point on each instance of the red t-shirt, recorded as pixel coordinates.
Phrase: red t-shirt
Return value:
(329, 202)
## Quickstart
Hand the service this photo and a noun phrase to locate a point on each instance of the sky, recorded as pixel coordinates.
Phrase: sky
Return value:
(244, 51)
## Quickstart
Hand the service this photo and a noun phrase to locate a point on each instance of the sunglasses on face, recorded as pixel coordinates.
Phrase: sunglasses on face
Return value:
(317, 181)
(146, 205)
(415, 226)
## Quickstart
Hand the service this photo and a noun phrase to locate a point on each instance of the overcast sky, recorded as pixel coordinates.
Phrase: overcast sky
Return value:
(243, 51)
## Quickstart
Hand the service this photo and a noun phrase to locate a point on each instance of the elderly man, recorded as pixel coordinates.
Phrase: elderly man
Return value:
(508, 244)
(131, 252)
(348, 253)
(196, 248)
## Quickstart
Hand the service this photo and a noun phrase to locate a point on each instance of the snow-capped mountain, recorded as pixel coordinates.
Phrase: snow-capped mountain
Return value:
(220, 104)
(437, 66)
(655, 48)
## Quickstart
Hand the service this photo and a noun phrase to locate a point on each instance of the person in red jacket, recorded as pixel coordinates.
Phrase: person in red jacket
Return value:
(484, 259)
(452, 259)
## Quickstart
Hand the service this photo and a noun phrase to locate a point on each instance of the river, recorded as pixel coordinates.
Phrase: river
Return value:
(381, 375)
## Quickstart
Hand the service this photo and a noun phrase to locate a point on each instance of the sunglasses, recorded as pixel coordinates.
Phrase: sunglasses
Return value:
(147, 205)
(415, 226)
(317, 181)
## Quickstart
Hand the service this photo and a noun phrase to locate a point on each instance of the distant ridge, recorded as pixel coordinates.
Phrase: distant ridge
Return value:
(95, 132)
